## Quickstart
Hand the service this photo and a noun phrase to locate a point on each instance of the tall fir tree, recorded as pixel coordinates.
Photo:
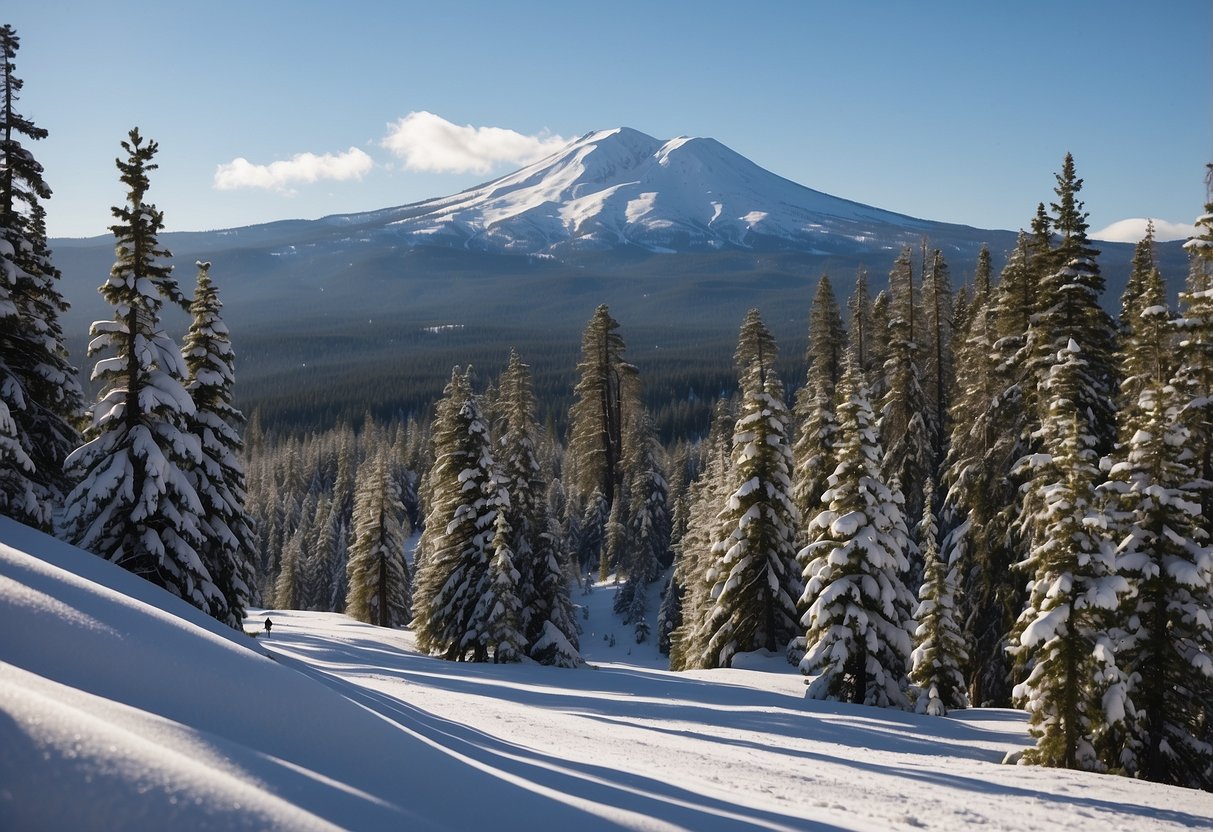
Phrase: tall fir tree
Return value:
(1166, 645)
(938, 335)
(696, 566)
(603, 399)
(816, 421)
(648, 533)
(1144, 261)
(40, 396)
(465, 496)
(1062, 636)
(754, 579)
(134, 504)
(989, 433)
(858, 609)
(499, 606)
(1070, 309)
(228, 536)
(1195, 355)
(939, 648)
(535, 552)
(379, 584)
(907, 426)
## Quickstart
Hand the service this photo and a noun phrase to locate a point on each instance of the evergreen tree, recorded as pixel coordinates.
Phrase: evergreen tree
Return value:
(858, 620)
(465, 497)
(988, 436)
(669, 614)
(287, 584)
(593, 531)
(863, 330)
(939, 376)
(134, 505)
(615, 541)
(602, 400)
(648, 533)
(815, 419)
(907, 429)
(379, 584)
(40, 396)
(1062, 634)
(542, 587)
(754, 579)
(499, 607)
(1166, 645)
(1143, 263)
(696, 565)
(1195, 357)
(939, 653)
(1071, 310)
(228, 537)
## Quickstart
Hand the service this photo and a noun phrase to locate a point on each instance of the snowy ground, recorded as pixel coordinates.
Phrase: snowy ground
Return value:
(122, 708)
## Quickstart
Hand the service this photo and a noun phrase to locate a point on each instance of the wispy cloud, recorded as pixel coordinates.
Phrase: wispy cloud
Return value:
(302, 168)
(427, 142)
(1133, 230)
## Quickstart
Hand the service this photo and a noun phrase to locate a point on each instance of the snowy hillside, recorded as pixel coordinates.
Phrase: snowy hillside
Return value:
(620, 187)
(122, 708)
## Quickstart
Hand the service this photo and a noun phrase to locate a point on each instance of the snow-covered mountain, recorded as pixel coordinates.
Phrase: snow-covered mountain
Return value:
(621, 187)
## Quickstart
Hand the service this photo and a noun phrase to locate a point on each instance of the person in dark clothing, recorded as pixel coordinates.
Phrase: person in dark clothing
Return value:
(268, 625)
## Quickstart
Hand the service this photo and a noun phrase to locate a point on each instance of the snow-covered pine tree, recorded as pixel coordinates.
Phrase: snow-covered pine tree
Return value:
(593, 527)
(1061, 637)
(40, 395)
(755, 580)
(816, 423)
(1166, 647)
(543, 588)
(134, 504)
(939, 650)
(379, 584)
(1166, 644)
(1144, 261)
(228, 536)
(858, 620)
(464, 500)
(615, 539)
(648, 537)
(695, 569)
(1195, 354)
(499, 607)
(1070, 309)
(669, 614)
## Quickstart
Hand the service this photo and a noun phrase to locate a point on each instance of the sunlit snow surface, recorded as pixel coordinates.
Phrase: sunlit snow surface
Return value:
(121, 708)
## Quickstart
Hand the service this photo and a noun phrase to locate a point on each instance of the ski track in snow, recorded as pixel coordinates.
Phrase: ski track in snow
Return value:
(123, 708)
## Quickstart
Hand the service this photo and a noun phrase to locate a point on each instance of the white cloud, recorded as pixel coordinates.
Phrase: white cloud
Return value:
(427, 142)
(302, 168)
(1133, 230)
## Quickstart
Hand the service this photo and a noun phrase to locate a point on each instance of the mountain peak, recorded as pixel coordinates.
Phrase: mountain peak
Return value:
(621, 187)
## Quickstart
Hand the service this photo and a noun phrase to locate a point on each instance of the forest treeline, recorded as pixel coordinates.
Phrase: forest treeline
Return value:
(997, 494)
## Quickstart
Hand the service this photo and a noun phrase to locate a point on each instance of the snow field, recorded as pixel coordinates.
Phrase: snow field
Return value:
(122, 707)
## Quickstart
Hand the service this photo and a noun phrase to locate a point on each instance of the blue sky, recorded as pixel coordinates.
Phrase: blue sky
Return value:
(955, 111)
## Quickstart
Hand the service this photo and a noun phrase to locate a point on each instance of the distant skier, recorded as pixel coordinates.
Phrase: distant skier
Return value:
(268, 626)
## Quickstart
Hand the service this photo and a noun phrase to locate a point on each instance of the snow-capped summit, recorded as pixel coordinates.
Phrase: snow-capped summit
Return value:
(620, 187)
